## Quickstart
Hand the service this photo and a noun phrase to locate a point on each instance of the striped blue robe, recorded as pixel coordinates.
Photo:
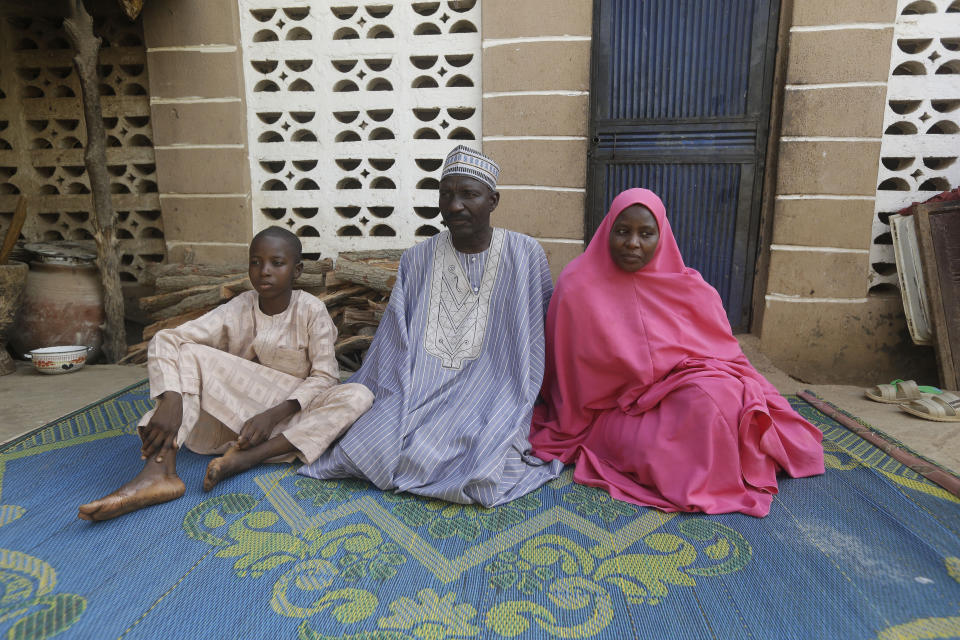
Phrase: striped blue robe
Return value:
(455, 368)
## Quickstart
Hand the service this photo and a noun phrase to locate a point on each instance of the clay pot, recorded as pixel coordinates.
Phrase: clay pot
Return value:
(62, 305)
(12, 278)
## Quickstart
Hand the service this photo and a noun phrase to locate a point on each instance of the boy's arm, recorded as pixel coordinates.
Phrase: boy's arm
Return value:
(324, 371)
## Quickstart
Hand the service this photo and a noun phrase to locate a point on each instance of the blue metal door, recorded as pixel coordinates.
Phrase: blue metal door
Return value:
(680, 104)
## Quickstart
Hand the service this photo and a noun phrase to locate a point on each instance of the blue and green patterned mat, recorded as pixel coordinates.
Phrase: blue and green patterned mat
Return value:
(869, 550)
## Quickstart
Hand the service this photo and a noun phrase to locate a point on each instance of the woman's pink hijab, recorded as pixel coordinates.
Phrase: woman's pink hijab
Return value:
(640, 325)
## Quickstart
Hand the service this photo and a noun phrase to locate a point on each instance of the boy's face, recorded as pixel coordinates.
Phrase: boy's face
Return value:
(273, 267)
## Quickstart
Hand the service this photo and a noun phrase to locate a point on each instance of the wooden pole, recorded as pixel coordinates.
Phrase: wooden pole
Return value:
(79, 27)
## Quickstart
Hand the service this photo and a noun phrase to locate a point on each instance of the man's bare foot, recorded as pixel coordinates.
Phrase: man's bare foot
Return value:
(157, 482)
(234, 460)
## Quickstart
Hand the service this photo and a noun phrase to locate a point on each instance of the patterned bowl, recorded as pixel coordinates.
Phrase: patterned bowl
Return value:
(59, 359)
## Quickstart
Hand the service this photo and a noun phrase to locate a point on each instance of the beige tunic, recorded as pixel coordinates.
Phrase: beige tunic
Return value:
(235, 362)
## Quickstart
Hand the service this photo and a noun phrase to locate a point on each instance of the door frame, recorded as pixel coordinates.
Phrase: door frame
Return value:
(753, 242)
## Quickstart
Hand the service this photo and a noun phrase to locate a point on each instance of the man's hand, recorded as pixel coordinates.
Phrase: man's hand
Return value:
(160, 433)
(257, 429)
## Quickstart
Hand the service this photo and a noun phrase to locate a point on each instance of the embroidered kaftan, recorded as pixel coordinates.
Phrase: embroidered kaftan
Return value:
(235, 362)
(455, 367)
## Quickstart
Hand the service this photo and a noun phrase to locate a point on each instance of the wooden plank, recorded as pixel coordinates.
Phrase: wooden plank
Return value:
(938, 235)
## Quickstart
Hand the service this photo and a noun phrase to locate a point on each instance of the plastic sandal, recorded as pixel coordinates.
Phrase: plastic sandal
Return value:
(944, 407)
(897, 391)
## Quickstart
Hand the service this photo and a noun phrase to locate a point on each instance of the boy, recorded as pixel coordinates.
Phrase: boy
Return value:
(253, 380)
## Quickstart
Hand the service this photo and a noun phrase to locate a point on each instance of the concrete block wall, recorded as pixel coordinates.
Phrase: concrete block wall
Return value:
(536, 82)
(196, 89)
(819, 323)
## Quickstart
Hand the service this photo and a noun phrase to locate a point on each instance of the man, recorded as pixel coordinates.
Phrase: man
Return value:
(457, 361)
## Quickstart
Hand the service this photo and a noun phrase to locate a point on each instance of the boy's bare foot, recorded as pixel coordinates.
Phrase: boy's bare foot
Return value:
(234, 460)
(156, 483)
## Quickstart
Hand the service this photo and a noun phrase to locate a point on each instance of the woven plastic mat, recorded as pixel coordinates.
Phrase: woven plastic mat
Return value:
(869, 550)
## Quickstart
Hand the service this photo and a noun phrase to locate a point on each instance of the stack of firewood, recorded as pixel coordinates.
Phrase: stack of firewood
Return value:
(355, 293)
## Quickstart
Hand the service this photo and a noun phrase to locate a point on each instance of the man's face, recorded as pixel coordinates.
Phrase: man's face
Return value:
(466, 205)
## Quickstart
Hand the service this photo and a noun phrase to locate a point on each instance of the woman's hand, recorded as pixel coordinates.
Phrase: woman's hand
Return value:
(160, 433)
(257, 429)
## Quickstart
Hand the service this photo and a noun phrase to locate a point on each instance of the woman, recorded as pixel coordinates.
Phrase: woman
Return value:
(646, 389)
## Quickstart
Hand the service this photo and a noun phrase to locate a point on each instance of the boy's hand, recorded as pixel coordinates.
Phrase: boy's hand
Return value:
(160, 434)
(257, 429)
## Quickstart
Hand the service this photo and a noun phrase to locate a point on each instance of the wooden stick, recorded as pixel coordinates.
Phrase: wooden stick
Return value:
(948, 481)
(13, 231)
(79, 28)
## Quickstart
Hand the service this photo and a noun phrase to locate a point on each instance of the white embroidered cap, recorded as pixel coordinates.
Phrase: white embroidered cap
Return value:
(469, 162)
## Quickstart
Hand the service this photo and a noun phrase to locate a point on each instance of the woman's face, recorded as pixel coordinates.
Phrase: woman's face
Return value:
(633, 238)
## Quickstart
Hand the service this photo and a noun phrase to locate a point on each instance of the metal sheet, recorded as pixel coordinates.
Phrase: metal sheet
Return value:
(679, 58)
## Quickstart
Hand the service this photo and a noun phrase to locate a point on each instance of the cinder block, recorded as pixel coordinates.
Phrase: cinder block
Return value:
(194, 74)
(559, 254)
(823, 223)
(543, 214)
(536, 116)
(504, 19)
(548, 163)
(179, 23)
(840, 112)
(207, 219)
(834, 168)
(537, 66)
(830, 12)
(209, 253)
(198, 123)
(202, 171)
(818, 274)
(857, 343)
(841, 55)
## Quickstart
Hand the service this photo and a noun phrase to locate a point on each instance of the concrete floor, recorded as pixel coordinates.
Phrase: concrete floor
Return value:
(29, 400)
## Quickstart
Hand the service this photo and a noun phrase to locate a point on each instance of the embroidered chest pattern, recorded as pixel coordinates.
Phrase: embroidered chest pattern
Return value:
(457, 316)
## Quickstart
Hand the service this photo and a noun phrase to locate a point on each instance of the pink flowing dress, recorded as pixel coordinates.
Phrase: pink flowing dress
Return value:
(647, 391)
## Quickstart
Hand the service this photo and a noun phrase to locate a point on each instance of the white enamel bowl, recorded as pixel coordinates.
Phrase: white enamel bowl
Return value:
(59, 359)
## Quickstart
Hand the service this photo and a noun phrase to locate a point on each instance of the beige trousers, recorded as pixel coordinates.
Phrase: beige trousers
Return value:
(222, 391)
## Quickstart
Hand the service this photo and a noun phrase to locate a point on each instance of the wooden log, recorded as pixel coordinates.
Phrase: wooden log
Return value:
(313, 280)
(375, 269)
(332, 297)
(175, 283)
(389, 255)
(352, 343)
(153, 272)
(151, 329)
(354, 318)
(170, 298)
(211, 297)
